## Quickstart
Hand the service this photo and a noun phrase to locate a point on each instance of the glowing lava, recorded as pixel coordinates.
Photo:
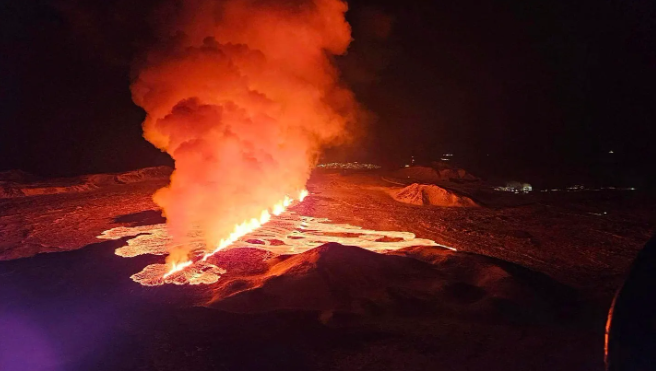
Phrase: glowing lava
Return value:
(288, 233)
(240, 231)
(177, 267)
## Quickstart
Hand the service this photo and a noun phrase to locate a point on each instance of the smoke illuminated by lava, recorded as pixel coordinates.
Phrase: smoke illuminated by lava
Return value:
(243, 95)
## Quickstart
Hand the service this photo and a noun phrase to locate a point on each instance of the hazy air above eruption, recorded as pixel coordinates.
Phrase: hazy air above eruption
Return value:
(243, 95)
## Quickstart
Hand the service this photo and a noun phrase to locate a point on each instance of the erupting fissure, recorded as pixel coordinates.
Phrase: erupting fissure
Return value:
(289, 233)
(240, 231)
(244, 96)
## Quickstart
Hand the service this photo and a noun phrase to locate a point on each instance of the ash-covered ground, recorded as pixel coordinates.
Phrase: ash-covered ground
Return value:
(528, 287)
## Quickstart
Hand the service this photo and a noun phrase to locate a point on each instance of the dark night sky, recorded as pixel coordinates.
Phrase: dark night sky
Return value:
(549, 86)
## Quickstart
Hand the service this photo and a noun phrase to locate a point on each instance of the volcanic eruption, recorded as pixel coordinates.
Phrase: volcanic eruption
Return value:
(243, 95)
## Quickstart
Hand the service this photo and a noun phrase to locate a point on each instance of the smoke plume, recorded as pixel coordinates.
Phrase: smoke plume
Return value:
(243, 95)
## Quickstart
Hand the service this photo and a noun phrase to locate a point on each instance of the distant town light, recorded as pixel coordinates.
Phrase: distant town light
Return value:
(348, 165)
(576, 187)
(515, 187)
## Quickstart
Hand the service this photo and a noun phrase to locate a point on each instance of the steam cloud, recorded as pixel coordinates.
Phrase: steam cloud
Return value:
(243, 95)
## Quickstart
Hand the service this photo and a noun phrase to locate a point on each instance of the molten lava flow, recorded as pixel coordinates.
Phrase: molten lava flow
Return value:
(247, 227)
(288, 233)
(177, 267)
(278, 209)
(239, 231)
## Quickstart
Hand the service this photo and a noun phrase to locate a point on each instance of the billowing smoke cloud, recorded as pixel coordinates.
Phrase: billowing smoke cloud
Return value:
(243, 95)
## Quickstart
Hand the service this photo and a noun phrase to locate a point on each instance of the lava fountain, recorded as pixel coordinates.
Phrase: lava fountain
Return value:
(239, 231)
(243, 95)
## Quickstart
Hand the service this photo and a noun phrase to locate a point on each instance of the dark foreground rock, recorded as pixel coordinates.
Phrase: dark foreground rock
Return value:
(333, 308)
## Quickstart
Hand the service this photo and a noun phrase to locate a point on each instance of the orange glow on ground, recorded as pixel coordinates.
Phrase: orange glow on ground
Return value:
(177, 267)
(239, 231)
(288, 233)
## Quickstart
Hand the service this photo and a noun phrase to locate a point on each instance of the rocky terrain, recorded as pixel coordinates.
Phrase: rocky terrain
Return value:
(527, 288)
(429, 194)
